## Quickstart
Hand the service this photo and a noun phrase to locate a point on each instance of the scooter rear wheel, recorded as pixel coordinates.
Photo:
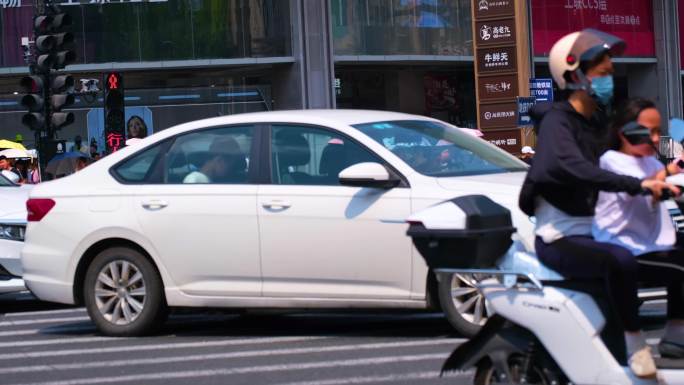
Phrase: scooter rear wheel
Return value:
(537, 372)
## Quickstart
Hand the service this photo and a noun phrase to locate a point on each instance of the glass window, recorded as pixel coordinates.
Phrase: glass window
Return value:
(138, 168)
(312, 156)
(436, 149)
(135, 31)
(213, 156)
(402, 27)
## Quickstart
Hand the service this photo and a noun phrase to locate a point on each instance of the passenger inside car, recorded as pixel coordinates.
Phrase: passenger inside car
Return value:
(223, 163)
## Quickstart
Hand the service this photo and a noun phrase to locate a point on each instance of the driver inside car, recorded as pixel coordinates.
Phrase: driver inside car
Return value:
(562, 185)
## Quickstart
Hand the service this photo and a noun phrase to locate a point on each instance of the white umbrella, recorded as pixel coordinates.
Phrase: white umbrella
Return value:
(15, 153)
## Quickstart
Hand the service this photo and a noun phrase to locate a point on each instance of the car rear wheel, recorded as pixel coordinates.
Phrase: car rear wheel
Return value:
(123, 293)
(462, 303)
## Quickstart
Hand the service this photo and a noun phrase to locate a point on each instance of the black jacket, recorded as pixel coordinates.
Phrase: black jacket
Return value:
(565, 170)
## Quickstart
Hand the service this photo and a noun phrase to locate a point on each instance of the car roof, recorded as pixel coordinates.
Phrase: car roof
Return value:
(338, 116)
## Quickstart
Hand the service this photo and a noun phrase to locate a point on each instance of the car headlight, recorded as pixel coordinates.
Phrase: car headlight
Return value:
(12, 232)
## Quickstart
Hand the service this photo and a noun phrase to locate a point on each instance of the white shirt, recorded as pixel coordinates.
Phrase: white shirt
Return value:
(196, 177)
(553, 224)
(632, 221)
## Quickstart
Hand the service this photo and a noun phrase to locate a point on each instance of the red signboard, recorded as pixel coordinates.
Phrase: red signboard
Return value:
(631, 20)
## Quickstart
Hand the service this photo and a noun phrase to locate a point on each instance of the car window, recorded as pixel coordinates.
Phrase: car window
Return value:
(212, 156)
(303, 155)
(4, 182)
(138, 168)
(436, 149)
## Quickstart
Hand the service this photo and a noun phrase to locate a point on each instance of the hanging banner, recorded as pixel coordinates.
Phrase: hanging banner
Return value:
(631, 20)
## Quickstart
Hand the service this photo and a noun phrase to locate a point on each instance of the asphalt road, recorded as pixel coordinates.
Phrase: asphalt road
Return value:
(42, 343)
(47, 344)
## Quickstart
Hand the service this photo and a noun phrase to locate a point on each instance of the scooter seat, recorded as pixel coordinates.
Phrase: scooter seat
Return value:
(526, 262)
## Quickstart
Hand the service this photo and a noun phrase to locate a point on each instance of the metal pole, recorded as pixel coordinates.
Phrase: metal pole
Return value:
(530, 37)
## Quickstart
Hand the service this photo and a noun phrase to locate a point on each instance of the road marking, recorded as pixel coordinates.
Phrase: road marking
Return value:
(216, 356)
(180, 345)
(43, 321)
(245, 370)
(372, 379)
(58, 341)
(48, 330)
(43, 312)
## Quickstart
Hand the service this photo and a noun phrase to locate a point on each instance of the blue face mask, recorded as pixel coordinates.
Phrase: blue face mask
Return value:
(603, 89)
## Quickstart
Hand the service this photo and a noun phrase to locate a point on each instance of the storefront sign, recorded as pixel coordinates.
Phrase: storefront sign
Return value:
(509, 140)
(100, 2)
(498, 87)
(524, 105)
(501, 59)
(493, 8)
(498, 115)
(631, 20)
(10, 3)
(542, 89)
(495, 32)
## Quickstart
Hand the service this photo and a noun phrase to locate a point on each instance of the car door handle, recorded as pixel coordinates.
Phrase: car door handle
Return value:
(276, 205)
(154, 204)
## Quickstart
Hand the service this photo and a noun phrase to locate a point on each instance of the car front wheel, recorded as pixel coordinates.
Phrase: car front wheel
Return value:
(123, 293)
(463, 304)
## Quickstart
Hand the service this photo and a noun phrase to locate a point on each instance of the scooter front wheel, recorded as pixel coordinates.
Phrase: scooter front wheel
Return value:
(517, 369)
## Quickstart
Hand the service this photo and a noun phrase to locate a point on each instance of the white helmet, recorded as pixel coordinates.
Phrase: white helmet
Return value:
(584, 46)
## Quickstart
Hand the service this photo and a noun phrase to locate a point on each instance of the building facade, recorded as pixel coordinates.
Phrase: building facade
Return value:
(188, 59)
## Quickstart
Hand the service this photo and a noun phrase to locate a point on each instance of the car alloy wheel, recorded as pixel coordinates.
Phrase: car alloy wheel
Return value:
(468, 300)
(120, 292)
(124, 293)
(463, 304)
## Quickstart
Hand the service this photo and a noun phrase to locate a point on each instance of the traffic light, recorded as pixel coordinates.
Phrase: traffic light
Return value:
(34, 101)
(48, 92)
(114, 111)
(62, 89)
(53, 42)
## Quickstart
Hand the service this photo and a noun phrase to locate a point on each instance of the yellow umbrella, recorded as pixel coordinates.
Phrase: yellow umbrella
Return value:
(4, 143)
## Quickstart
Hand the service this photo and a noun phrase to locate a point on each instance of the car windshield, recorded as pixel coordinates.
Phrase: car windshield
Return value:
(4, 182)
(439, 150)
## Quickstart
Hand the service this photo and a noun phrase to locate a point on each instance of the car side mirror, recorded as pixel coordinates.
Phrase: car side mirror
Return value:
(368, 174)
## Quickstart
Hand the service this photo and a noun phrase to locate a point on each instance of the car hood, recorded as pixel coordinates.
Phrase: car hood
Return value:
(13, 202)
(502, 188)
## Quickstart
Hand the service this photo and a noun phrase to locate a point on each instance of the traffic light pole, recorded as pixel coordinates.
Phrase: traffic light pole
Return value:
(48, 91)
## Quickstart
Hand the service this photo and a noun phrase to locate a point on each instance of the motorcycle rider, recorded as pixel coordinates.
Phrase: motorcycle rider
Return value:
(562, 185)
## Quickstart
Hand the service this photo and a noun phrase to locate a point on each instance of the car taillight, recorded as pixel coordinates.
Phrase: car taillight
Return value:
(38, 208)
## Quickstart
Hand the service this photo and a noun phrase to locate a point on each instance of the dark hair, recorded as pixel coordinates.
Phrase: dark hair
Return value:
(144, 130)
(627, 112)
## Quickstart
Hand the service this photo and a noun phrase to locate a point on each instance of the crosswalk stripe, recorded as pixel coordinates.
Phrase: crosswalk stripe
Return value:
(137, 348)
(43, 321)
(402, 377)
(58, 341)
(228, 355)
(245, 370)
(44, 312)
(56, 329)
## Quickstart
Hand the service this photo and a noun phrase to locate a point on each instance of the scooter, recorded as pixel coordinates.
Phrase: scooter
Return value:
(545, 329)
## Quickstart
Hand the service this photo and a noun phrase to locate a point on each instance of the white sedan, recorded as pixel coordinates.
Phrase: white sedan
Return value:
(285, 209)
(12, 226)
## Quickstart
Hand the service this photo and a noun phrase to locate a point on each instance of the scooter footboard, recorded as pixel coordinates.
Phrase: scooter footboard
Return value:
(497, 336)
